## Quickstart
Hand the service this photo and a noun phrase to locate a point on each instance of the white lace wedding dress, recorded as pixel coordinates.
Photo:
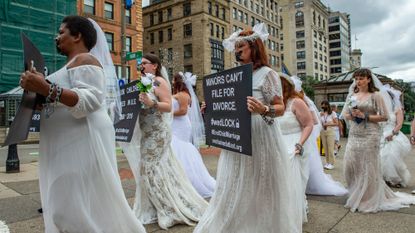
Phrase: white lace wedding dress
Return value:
(164, 194)
(254, 193)
(80, 187)
(291, 134)
(188, 156)
(392, 154)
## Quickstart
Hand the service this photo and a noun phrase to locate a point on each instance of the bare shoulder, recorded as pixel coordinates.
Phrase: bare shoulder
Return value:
(158, 81)
(84, 59)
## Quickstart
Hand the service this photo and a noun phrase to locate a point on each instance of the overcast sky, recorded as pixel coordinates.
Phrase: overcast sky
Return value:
(385, 31)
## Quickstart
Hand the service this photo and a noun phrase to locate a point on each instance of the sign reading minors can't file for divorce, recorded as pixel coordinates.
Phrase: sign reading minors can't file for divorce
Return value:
(227, 119)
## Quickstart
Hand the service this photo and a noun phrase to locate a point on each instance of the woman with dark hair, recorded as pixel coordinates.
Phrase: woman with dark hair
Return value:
(163, 192)
(365, 109)
(254, 193)
(79, 184)
(328, 120)
(296, 126)
(184, 104)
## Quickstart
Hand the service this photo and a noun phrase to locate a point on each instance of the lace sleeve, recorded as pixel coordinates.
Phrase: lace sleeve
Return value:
(89, 84)
(380, 106)
(271, 86)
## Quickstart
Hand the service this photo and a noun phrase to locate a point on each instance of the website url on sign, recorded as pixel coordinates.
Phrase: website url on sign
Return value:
(226, 134)
(227, 144)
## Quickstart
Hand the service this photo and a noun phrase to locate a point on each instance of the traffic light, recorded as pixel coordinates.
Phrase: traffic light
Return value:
(128, 4)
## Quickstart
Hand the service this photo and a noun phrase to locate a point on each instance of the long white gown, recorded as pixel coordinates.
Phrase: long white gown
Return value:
(80, 187)
(254, 193)
(392, 154)
(291, 133)
(188, 156)
(320, 183)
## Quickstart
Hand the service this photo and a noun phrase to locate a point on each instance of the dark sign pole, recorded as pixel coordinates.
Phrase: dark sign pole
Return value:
(227, 119)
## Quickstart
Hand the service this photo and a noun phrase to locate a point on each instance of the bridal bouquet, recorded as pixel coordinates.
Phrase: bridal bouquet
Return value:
(145, 85)
(353, 105)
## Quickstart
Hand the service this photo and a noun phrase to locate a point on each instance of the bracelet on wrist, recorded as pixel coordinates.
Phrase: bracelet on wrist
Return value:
(300, 148)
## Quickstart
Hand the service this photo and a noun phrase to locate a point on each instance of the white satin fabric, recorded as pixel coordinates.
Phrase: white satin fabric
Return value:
(79, 183)
(291, 131)
(188, 156)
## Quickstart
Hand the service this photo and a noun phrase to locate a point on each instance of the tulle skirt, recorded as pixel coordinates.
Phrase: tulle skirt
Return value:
(191, 160)
(392, 154)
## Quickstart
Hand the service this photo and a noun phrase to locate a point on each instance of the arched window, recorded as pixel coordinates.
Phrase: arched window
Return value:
(299, 19)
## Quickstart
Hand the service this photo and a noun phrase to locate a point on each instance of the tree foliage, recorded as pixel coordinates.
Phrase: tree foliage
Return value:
(308, 82)
(408, 97)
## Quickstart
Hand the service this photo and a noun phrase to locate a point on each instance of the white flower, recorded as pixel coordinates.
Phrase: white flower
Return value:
(147, 79)
(353, 102)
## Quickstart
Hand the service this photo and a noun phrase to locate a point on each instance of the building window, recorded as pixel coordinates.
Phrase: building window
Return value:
(128, 16)
(321, 57)
(300, 65)
(187, 10)
(209, 8)
(234, 13)
(315, 55)
(301, 55)
(151, 19)
(252, 21)
(169, 34)
(223, 13)
(300, 44)
(188, 53)
(187, 30)
(169, 14)
(152, 38)
(188, 68)
(118, 71)
(217, 10)
(299, 4)
(315, 44)
(170, 54)
(212, 30)
(299, 19)
(240, 16)
(89, 7)
(217, 31)
(109, 10)
(223, 33)
(160, 16)
(110, 40)
(300, 34)
(315, 65)
(160, 36)
(128, 45)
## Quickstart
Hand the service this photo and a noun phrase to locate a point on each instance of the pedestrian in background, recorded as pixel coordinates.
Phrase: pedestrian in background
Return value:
(329, 121)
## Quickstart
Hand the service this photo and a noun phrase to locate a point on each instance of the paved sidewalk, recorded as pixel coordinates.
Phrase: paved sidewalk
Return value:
(20, 199)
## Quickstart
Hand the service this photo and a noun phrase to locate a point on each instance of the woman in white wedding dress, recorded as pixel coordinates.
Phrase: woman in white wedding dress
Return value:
(296, 125)
(365, 109)
(394, 145)
(254, 193)
(80, 187)
(185, 104)
(163, 192)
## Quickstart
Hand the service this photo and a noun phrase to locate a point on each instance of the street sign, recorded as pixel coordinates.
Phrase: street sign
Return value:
(133, 55)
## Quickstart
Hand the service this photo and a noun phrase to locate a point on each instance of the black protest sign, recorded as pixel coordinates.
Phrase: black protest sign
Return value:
(35, 124)
(227, 119)
(124, 129)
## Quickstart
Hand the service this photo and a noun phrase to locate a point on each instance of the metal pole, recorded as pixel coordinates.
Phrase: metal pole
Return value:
(123, 54)
(12, 162)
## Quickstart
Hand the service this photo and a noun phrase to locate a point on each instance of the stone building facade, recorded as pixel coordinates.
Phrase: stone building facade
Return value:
(304, 49)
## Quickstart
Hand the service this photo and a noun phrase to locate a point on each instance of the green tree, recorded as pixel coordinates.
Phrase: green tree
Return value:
(308, 82)
(408, 96)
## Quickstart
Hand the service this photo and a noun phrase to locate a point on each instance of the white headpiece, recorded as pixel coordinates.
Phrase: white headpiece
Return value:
(297, 83)
(102, 53)
(196, 119)
(260, 31)
(395, 98)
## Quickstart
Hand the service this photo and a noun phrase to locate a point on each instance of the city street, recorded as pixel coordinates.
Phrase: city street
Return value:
(20, 199)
